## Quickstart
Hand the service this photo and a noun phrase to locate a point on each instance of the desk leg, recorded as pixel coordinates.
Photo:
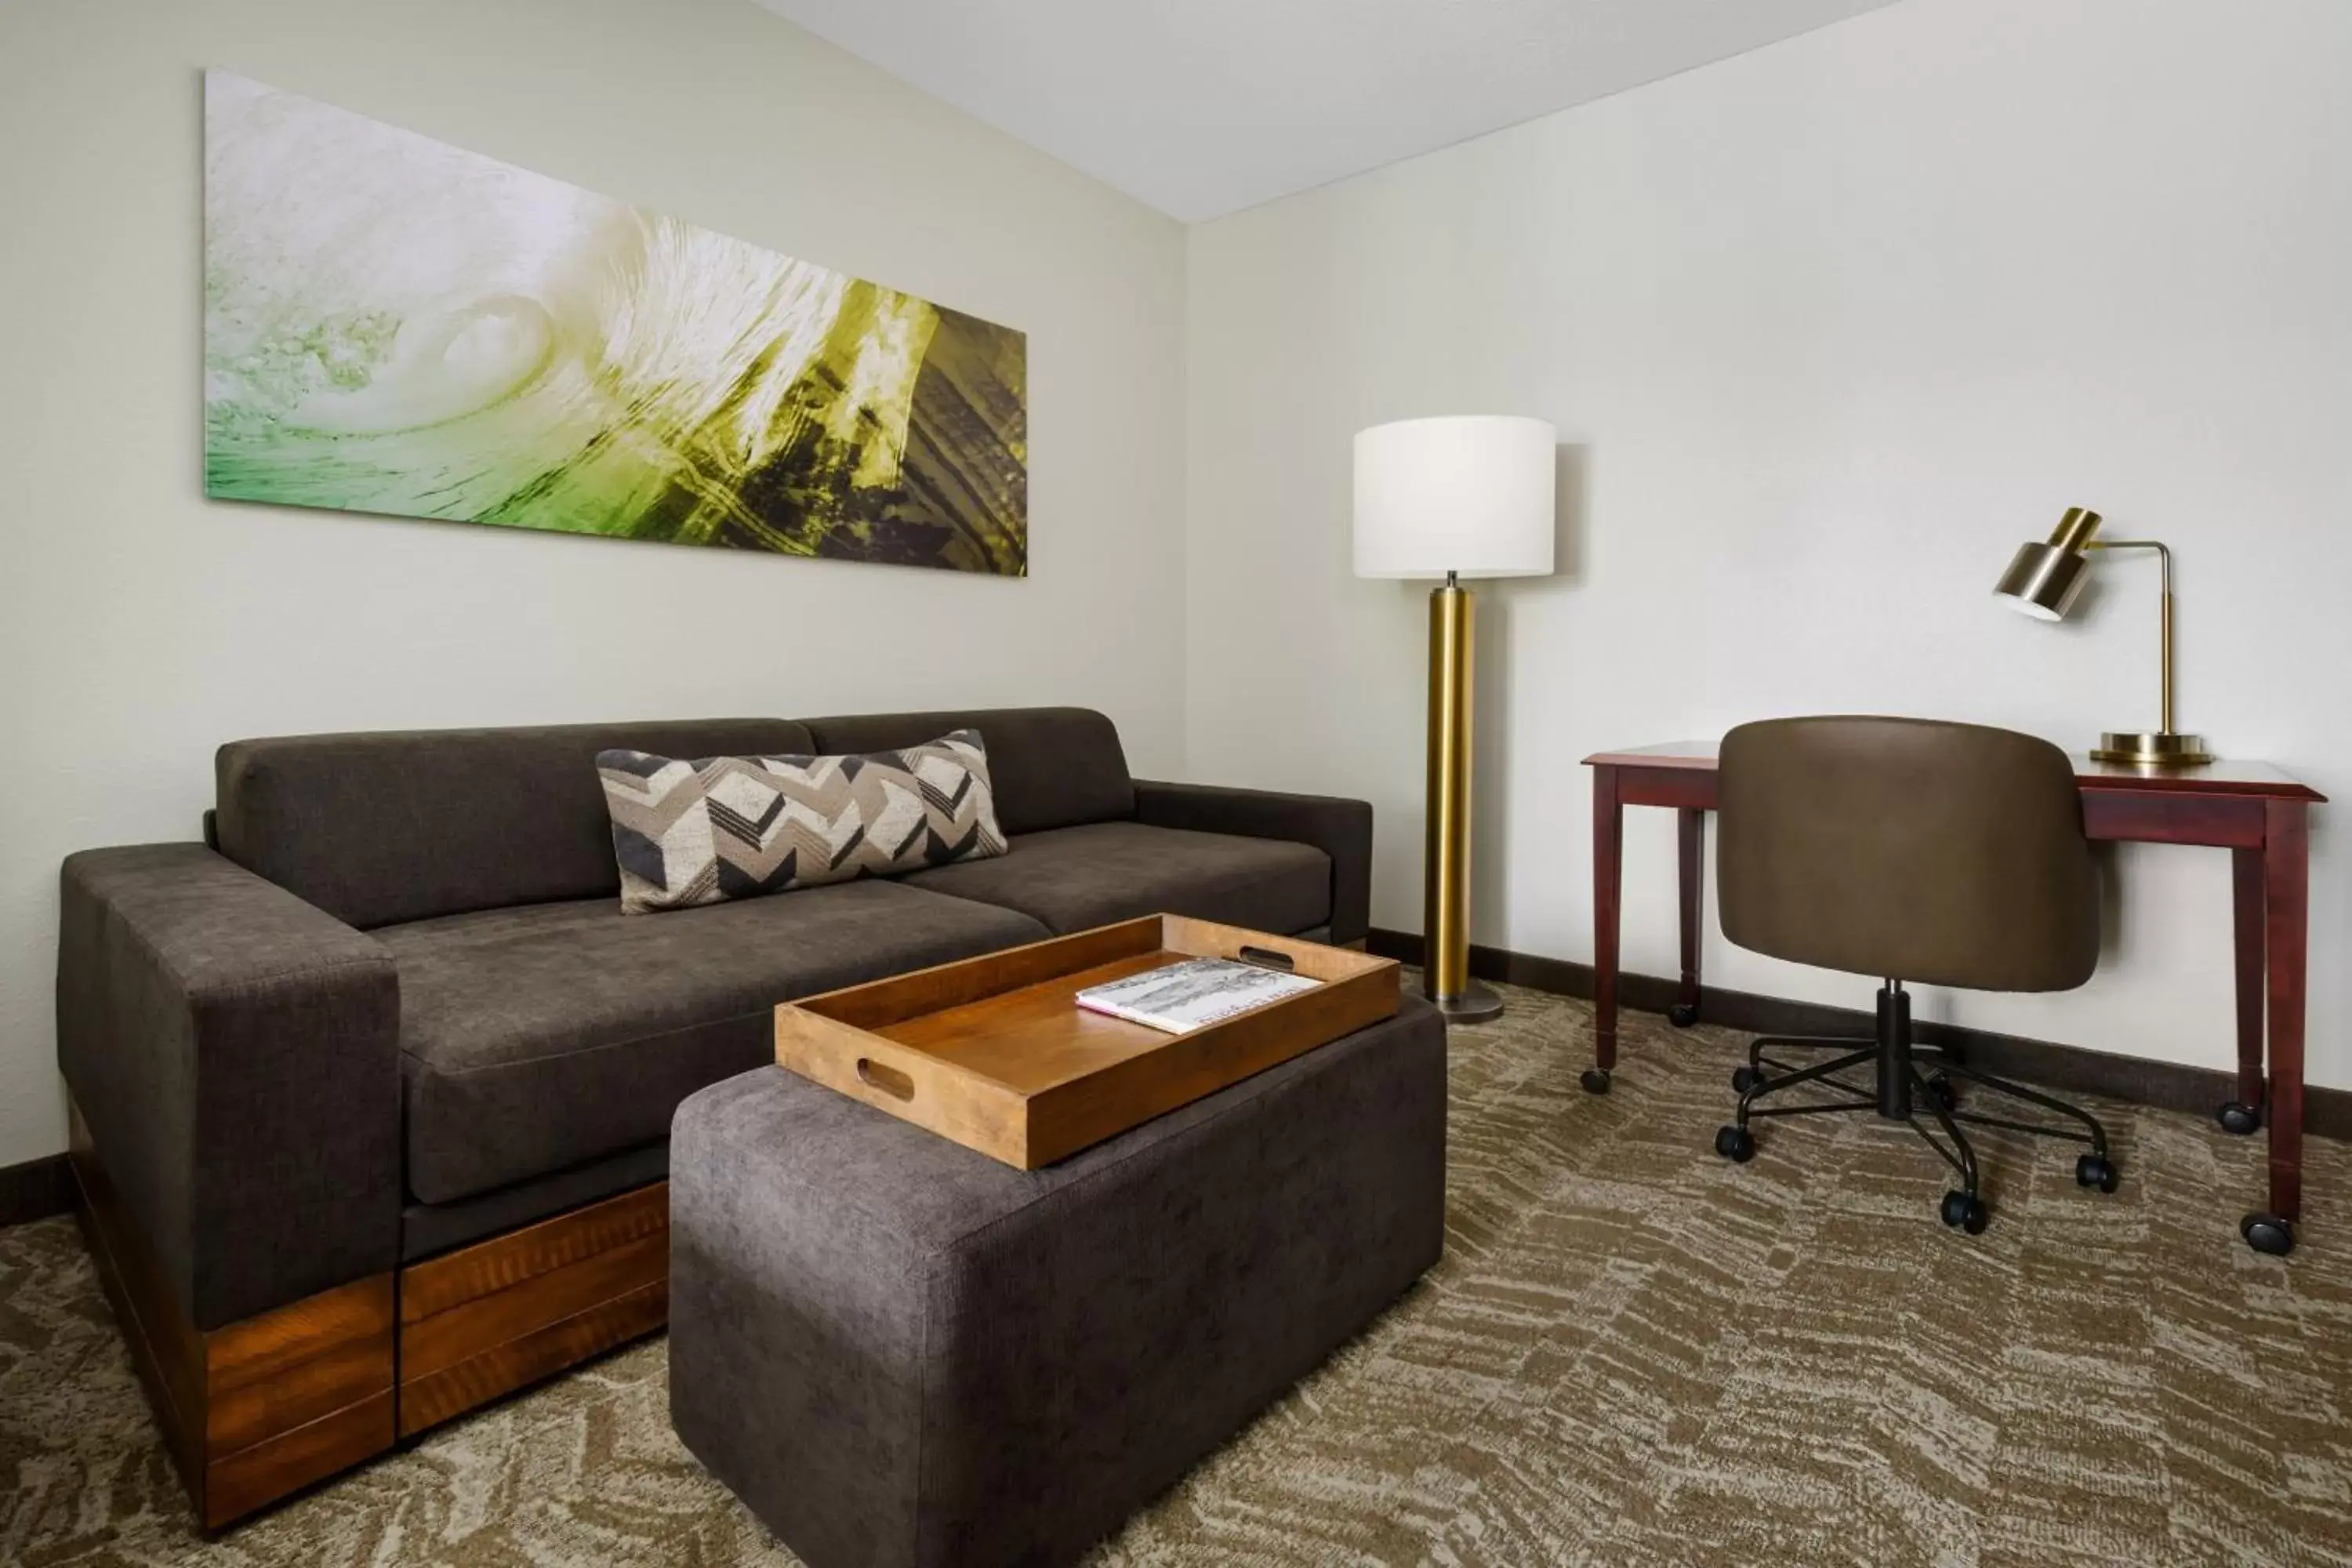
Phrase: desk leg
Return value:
(2243, 1115)
(1691, 857)
(1607, 852)
(2287, 894)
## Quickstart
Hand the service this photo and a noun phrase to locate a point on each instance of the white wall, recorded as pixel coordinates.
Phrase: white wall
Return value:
(1831, 326)
(139, 626)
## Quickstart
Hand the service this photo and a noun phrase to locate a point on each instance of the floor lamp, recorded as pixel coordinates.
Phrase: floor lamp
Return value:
(1454, 498)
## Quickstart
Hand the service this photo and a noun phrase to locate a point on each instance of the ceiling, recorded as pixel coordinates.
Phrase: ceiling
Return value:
(1200, 108)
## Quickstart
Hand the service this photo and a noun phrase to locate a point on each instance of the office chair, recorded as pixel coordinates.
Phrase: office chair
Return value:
(1912, 850)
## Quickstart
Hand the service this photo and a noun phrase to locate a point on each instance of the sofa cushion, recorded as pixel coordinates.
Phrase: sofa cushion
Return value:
(1074, 878)
(537, 1037)
(1052, 767)
(400, 826)
(693, 833)
(426, 1229)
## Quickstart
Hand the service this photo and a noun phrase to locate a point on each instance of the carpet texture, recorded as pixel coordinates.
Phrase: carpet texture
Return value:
(1633, 1352)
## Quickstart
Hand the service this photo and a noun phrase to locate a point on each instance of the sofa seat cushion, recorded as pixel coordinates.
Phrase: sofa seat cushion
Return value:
(538, 1038)
(1071, 879)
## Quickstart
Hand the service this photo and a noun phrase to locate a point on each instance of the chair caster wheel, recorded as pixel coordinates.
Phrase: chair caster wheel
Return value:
(2239, 1118)
(1965, 1211)
(1595, 1081)
(1946, 1095)
(2268, 1233)
(2095, 1170)
(1744, 1079)
(1683, 1015)
(1735, 1144)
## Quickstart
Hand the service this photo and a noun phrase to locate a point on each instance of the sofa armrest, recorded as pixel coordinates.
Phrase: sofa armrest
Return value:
(235, 1053)
(1341, 828)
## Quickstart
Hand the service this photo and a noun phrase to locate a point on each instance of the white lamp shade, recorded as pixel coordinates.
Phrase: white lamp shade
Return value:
(1471, 494)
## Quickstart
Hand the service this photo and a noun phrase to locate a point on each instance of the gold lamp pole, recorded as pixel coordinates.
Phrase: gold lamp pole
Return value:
(1454, 497)
(1445, 859)
(2043, 581)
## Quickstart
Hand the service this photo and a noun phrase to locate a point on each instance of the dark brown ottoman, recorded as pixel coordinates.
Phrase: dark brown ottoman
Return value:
(899, 1352)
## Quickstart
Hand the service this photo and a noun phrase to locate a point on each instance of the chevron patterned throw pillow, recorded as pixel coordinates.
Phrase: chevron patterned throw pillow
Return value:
(733, 827)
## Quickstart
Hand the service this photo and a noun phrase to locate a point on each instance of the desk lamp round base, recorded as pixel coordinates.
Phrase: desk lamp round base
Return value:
(2152, 749)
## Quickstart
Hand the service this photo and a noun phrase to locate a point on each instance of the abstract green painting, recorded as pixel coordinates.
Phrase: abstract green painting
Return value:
(393, 325)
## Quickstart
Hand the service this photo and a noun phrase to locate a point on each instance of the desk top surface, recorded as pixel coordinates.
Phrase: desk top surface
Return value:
(2228, 776)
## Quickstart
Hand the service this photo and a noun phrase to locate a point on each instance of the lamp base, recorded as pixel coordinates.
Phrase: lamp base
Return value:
(2152, 749)
(1474, 1006)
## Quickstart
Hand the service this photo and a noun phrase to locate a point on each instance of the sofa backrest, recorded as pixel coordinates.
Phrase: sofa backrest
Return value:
(1048, 767)
(405, 825)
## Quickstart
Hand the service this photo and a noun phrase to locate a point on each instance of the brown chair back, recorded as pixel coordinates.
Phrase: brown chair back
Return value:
(1908, 849)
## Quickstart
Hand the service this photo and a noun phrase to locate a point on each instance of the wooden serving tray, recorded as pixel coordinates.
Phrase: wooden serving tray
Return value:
(996, 1053)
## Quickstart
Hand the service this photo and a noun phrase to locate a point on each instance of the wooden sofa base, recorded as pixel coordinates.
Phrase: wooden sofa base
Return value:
(259, 1409)
(489, 1319)
(256, 1410)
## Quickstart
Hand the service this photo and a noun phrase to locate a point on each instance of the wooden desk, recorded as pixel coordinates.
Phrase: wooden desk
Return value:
(2251, 809)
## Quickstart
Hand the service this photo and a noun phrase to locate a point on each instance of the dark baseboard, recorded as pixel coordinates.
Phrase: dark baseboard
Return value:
(35, 1189)
(2169, 1086)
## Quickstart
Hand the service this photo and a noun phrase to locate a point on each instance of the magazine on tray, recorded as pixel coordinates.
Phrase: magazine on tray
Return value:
(1189, 995)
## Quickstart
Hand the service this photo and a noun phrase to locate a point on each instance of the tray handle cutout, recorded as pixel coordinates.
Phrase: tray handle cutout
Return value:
(1267, 958)
(888, 1079)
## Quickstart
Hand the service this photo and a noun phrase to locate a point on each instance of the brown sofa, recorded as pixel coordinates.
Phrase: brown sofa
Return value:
(372, 1089)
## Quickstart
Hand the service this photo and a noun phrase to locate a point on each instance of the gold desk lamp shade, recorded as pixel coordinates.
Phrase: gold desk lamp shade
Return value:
(2043, 581)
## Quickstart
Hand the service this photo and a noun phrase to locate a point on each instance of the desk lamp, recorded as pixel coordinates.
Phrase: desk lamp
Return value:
(2044, 582)
(1454, 497)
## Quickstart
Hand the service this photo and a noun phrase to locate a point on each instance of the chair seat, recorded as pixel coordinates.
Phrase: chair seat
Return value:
(1072, 879)
(537, 1037)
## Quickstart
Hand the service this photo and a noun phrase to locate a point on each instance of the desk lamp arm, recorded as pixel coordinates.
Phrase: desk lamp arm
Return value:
(2164, 618)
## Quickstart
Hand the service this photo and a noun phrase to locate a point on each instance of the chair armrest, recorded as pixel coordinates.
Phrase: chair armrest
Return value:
(1341, 828)
(235, 1053)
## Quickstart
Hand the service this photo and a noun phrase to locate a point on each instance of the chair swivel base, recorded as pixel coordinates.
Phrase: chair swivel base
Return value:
(1903, 1092)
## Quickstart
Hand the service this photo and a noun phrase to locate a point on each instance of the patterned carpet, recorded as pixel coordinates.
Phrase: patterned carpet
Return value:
(1633, 1352)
